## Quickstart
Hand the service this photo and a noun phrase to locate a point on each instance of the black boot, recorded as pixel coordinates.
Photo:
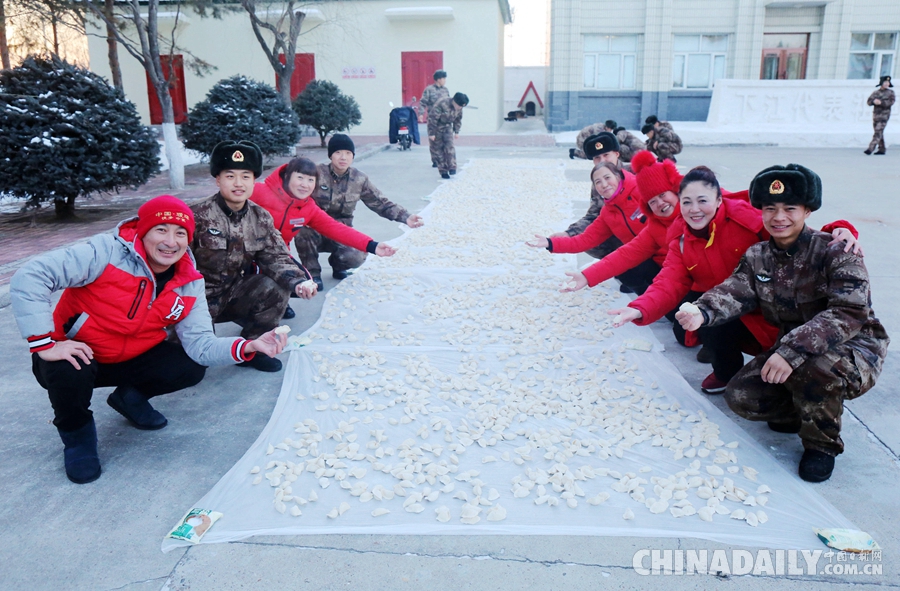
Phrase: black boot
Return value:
(880, 153)
(340, 275)
(80, 455)
(319, 283)
(452, 171)
(445, 175)
(705, 355)
(571, 153)
(816, 466)
(135, 407)
(262, 362)
(434, 165)
(289, 313)
(867, 152)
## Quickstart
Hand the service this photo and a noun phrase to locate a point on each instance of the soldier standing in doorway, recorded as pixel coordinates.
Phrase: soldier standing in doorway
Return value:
(430, 96)
(444, 121)
(882, 99)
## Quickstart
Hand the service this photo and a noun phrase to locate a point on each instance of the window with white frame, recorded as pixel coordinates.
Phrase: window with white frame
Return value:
(872, 55)
(609, 61)
(699, 60)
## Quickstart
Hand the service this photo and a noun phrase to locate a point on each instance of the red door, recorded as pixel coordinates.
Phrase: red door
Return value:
(176, 90)
(304, 72)
(418, 69)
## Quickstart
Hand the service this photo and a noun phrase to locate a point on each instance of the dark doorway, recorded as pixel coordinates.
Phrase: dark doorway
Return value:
(529, 108)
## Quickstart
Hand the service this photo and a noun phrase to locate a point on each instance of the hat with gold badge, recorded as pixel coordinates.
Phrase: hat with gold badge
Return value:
(242, 155)
(792, 184)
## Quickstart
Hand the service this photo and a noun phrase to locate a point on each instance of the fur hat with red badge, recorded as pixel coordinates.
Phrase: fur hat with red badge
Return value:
(600, 143)
(242, 155)
(792, 184)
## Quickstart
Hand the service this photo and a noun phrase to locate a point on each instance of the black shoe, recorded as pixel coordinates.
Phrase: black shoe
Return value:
(262, 362)
(816, 466)
(319, 283)
(704, 355)
(340, 275)
(445, 175)
(434, 165)
(571, 153)
(880, 153)
(867, 152)
(80, 455)
(452, 171)
(625, 289)
(132, 405)
(789, 427)
(289, 313)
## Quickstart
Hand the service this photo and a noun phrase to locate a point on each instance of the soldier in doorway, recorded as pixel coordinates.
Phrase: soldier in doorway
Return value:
(444, 122)
(430, 96)
(882, 99)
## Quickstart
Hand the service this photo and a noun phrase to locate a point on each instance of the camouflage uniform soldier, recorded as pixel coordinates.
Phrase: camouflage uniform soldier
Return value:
(590, 130)
(662, 141)
(431, 95)
(248, 271)
(340, 188)
(629, 145)
(882, 99)
(830, 348)
(444, 121)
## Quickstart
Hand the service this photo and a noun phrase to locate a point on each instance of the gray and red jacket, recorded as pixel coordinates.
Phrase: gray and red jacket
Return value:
(109, 302)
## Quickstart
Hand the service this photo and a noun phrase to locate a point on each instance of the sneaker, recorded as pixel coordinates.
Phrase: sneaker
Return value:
(816, 466)
(445, 175)
(289, 313)
(319, 283)
(262, 362)
(340, 275)
(705, 355)
(713, 385)
(132, 405)
(785, 427)
(867, 152)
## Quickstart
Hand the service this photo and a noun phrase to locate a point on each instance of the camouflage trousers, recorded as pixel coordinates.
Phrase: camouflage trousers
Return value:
(878, 137)
(813, 394)
(310, 243)
(254, 302)
(442, 151)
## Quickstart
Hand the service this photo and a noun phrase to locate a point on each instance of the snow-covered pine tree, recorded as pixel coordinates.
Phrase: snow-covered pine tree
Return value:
(239, 108)
(66, 133)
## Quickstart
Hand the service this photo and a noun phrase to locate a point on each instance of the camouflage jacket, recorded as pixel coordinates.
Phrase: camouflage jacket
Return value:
(338, 196)
(432, 94)
(443, 115)
(882, 112)
(817, 295)
(230, 244)
(629, 145)
(584, 134)
(665, 142)
(593, 211)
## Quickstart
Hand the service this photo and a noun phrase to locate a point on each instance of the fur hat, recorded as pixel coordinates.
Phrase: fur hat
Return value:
(438, 74)
(242, 155)
(610, 124)
(460, 99)
(165, 209)
(341, 141)
(651, 120)
(886, 79)
(792, 184)
(647, 128)
(654, 178)
(600, 143)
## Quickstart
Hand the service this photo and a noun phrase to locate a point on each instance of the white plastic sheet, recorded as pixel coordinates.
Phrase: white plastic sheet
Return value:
(456, 368)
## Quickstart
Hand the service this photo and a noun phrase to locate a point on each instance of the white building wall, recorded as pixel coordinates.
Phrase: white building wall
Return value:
(349, 33)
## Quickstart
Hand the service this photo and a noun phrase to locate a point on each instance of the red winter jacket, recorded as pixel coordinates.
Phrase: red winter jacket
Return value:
(620, 216)
(696, 264)
(652, 242)
(291, 214)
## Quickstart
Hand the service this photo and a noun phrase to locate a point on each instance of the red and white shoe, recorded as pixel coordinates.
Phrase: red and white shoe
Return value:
(713, 385)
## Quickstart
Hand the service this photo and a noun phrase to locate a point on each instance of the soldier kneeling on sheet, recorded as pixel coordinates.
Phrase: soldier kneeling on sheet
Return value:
(249, 272)
(124, 294)
(830, 346)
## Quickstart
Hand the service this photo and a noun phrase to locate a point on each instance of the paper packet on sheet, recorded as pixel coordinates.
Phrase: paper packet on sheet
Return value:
(195, 523)
(847, 540)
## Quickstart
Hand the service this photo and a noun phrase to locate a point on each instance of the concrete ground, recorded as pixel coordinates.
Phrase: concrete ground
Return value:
(106, 535)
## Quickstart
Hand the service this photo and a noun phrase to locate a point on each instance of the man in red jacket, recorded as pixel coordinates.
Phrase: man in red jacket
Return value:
(124, 294)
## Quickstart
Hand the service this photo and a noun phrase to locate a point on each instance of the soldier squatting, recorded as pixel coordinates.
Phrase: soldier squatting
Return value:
(138, 306)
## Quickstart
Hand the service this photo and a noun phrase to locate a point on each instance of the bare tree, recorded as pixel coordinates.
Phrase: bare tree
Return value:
(284, 42)
(112, 52)
(4, 45)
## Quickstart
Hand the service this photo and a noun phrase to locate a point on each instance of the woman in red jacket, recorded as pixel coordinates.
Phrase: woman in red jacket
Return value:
(716, 233)
(286, 193)
(658, 184)
(621, 216)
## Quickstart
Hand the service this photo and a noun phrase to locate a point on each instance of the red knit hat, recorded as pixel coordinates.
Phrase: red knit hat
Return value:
(165, 209)
(654, 178)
